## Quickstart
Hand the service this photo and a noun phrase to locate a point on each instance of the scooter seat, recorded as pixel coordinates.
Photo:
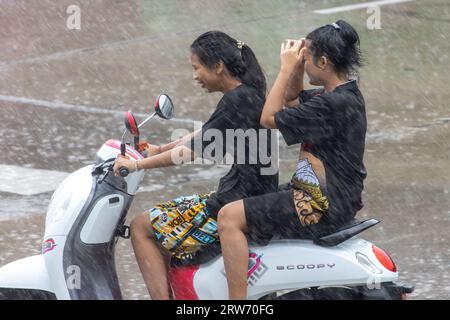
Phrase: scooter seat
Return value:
(345, 233)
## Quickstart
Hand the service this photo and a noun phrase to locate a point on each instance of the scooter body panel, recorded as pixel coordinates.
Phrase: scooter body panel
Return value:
(80, 234)
(26, 273)
(91, 254)
(103, 219)
(295, 264)
(53, 257)
(67, 201)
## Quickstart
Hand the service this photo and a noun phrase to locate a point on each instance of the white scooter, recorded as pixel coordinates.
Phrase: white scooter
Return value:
(86, 216)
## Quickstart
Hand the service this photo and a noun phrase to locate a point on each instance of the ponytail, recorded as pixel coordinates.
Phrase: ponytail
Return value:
(253, 75)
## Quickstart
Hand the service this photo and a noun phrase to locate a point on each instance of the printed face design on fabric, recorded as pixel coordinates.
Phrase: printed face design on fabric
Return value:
(310, 203)
(305, 211)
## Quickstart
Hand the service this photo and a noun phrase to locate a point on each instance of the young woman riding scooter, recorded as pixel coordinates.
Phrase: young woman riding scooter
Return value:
(330, 123)
(179, 228)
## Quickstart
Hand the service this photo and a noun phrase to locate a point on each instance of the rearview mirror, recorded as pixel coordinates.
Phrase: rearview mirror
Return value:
(164, 106)
(131, 124)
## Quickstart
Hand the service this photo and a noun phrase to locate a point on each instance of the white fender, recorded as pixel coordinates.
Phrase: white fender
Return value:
(26, 273)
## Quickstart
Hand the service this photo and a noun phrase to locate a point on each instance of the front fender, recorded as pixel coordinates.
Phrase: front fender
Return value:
(27, 273)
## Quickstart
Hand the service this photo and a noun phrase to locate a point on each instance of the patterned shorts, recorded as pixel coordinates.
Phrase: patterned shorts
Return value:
(183, 225)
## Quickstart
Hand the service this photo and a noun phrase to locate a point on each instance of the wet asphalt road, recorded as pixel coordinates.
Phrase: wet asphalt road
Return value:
(62, 92)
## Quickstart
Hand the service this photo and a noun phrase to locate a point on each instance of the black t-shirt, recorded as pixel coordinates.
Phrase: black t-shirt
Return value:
(332, 127)
(237, 113)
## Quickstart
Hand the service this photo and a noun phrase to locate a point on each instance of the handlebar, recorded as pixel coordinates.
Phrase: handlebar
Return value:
(124, 171)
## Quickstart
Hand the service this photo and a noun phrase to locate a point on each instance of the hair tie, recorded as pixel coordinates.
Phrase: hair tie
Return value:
(240, 44)
(335, 26)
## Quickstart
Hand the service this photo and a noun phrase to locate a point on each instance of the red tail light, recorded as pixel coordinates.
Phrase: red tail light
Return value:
(384, 259)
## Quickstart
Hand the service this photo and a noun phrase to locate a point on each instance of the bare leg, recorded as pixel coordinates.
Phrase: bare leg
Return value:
(231, 225)
(153, 260)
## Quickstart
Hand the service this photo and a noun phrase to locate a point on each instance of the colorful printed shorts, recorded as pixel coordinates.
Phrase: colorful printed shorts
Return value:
(183, 225)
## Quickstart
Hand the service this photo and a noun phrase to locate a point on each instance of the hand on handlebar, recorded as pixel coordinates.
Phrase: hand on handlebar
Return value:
(123, 162)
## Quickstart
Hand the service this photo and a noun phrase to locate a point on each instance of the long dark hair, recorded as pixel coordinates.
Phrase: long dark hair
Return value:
(214, 46)
(339, 42)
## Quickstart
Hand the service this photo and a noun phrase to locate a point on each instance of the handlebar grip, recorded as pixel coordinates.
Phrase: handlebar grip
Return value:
(124, 171)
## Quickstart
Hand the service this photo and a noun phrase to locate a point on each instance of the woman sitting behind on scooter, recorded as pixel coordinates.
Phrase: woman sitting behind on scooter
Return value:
(330, 123)
(178, 228)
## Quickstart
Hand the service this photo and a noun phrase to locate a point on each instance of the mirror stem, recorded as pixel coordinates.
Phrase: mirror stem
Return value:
(136, 143)
(123, 135)
(151, 116)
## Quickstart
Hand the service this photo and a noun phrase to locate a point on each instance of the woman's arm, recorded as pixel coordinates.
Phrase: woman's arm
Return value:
(295, 84)
(153, 150)
(178, 142)
(290, 55)
(294, 87)
(173, 153)
(274, 101)
(176, 156)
